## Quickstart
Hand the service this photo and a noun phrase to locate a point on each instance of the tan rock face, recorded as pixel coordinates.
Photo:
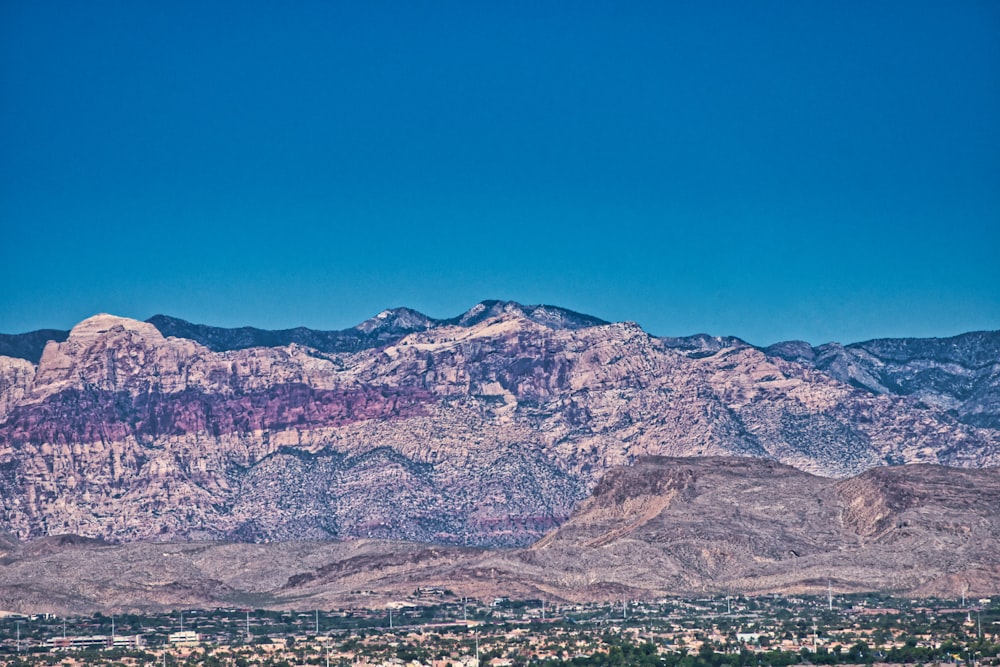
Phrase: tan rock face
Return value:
(16, 377)
(483, 430)
(116, 354)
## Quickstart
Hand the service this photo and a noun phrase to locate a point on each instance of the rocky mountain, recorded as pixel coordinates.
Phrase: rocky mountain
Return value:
(484, 429)
(662, 526)
(960, 375)
(385, 328)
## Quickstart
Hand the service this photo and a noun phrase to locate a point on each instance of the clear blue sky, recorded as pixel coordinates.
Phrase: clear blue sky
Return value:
(771, 170)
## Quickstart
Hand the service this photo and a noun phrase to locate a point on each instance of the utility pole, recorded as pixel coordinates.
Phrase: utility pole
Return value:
(317, 622)
(248, 624)
(18, 636)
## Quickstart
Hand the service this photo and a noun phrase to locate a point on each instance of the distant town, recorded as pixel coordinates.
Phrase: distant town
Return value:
(435, 628)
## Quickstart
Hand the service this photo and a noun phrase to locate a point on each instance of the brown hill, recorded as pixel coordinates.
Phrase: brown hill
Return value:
(756, 526)
(662, 526)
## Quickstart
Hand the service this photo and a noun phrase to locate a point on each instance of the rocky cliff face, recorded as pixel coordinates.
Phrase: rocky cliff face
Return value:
(483, 429)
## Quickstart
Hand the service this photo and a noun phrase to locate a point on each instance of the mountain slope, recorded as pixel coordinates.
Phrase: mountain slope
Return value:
(960, 374)
(485, 429)
(754, 526)
(659, 527)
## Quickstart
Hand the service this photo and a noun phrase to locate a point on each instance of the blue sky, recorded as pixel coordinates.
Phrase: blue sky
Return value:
(771, 170)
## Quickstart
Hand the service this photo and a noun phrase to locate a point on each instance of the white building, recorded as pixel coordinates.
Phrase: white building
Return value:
(184, 638)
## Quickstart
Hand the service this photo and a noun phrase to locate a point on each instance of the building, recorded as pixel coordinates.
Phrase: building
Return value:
(127, 641)
(184, 638)
(79, 643)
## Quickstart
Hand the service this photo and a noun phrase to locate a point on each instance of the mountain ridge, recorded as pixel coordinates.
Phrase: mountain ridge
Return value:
(28, 345)
(384, 328)
(485, 430)
(937, 370)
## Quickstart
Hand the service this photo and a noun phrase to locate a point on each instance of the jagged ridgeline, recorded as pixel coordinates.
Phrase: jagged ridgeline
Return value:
(483, 429)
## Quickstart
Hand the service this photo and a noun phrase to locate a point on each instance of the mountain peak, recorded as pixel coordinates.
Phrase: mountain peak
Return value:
(553, 317)
(102, 323)
(405, 319)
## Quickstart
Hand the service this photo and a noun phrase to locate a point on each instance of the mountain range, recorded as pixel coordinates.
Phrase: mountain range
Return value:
(486, 429)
